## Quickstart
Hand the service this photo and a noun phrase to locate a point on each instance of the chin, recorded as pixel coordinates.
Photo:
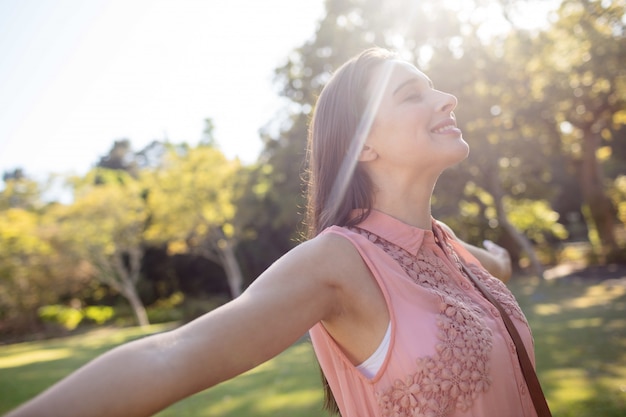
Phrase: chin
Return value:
(462, 150)
(459, 155)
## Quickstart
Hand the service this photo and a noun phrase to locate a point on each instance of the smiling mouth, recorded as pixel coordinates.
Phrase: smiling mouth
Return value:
(446, 128)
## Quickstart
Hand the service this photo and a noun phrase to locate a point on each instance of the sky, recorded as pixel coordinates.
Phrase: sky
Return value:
(76, 75)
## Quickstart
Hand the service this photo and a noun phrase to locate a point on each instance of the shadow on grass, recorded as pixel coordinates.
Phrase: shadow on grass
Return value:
(579, 327)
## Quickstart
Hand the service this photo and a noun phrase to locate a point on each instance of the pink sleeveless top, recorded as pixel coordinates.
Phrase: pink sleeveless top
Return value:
(450, 354)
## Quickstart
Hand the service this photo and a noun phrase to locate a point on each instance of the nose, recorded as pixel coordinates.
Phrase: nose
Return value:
(448, 101)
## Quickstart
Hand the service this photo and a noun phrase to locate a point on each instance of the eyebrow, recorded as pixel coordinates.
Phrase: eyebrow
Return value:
(413, 80)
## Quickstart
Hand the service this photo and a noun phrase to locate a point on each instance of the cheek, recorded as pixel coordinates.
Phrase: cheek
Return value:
(422, 118)
(378, 130)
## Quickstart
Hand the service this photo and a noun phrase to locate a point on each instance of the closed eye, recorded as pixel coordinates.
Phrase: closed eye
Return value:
(413, 97)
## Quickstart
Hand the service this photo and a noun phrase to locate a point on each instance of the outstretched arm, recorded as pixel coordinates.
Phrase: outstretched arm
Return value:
(145, 376)
(494, 258)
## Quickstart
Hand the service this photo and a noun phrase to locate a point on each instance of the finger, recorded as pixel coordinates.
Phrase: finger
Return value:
(492, 247)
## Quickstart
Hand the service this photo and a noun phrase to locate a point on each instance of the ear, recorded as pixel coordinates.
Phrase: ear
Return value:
(367, 154)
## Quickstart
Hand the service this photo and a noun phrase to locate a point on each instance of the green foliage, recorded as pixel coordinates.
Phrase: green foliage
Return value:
(618, 195)
(104, 226)
(34, 269)
(579, 77)
(542, 109)
(593, 235)
(192, 206)
(521, 92)
(158, 314)
(70, 317)
(20, 192)
(20, 233)
(120, 158)
(192, 194)
(99, 314)
(167, 309)
(535, 219)
(107, 215)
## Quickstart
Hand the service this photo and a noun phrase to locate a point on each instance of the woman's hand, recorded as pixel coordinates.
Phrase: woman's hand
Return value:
(494, 258)
(499, 259)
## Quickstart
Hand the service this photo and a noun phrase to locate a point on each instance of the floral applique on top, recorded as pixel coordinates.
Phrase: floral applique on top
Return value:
(460, 370)
(449, 353)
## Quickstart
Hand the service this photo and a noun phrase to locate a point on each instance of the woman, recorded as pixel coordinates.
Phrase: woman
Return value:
(398, 329)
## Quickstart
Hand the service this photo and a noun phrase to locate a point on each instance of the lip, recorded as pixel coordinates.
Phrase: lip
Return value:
(446, 126)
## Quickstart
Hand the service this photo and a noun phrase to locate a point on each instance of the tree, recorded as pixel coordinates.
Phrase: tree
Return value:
(120, 157)
(34, 269)
(502, 171)
(581, 79)
(29, 270)
(191, 201)
(20, 191)
(105, 226)
(447, 45)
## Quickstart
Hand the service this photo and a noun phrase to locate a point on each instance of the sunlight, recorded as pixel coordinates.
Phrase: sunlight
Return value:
(570, 385)
(585, 323)
(547, 309)
(292, 399)
(356, 144)
(32, 357)
(493, 21)
(107, 69)
(598, 295)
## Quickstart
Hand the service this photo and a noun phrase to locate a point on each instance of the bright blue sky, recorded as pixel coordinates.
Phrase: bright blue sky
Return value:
(77, 74)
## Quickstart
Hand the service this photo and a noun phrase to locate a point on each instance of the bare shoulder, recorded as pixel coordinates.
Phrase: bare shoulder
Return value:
(332, 256)
(324, 266)
(331, 244)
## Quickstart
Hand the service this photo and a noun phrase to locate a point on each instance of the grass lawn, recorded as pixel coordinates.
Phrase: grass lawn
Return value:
(288, 385)
(579, 327)
(580, 335)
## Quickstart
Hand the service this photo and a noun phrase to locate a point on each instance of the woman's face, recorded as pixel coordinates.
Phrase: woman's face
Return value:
(415, 125)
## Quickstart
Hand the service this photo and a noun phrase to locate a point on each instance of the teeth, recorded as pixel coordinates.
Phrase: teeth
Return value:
(444, 129)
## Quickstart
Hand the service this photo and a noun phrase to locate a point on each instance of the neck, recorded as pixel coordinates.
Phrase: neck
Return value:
(409, 204)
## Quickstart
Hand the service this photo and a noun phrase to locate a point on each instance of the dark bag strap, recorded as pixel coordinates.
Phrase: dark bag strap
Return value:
(534, 387)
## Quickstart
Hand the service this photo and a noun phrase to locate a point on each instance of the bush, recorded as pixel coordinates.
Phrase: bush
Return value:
(166, 310)
(99, 314)
(70, 317)
(67, 317)
(164, 314)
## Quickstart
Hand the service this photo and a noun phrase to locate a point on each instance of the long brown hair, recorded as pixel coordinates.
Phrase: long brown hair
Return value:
(337, 121)
(333, 146)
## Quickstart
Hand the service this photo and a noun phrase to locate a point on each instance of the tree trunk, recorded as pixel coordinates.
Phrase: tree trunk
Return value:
(130, 293)
(592, 184)
(127, 281)
(522, 241)
(231, 266)
(220, 249)
(519, 238)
